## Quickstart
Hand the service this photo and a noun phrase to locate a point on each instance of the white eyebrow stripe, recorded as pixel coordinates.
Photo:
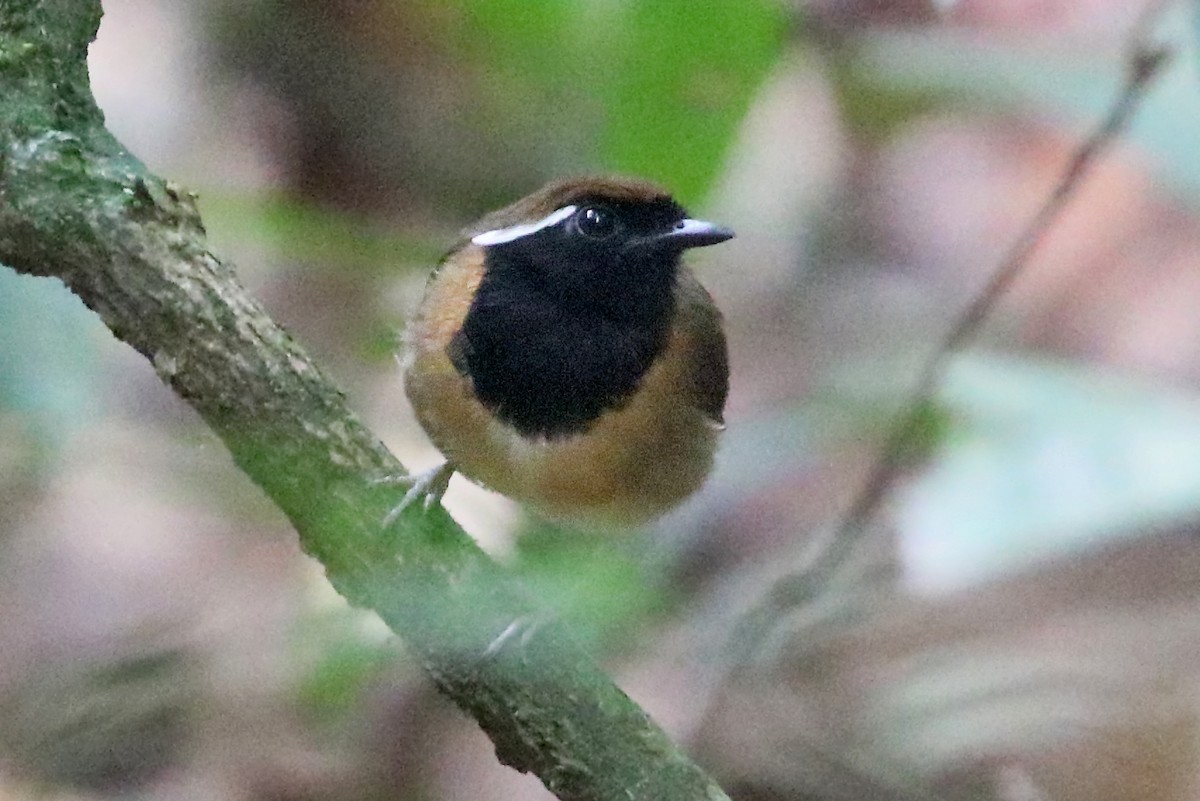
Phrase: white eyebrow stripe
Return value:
(501, 235)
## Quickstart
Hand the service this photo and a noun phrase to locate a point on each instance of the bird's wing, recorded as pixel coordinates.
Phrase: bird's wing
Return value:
(699, 321)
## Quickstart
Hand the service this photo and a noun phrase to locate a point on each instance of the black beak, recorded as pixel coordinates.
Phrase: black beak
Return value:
(688, 233)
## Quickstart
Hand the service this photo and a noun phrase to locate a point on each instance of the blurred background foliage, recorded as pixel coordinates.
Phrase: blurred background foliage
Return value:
(1027, 619)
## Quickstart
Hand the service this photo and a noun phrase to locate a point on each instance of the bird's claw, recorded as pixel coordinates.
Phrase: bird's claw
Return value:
(429, 486)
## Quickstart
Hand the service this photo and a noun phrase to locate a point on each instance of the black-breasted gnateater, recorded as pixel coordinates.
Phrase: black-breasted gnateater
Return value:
(564, 356)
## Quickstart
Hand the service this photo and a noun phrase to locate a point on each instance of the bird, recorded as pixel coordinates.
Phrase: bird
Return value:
(564, 356)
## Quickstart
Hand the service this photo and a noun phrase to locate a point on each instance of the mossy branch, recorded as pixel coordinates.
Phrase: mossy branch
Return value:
(76, 206)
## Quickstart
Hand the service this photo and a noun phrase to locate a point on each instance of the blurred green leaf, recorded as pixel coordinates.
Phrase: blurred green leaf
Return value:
(654, 88)
(1045, 459)
(600, 585)
(929, 427)
(309, 235)
(333, 688)
(344, 660)
(874, 111)
(685, 78)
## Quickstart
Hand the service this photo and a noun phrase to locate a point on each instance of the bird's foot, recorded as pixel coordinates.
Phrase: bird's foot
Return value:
(428, 486)
(519, 632)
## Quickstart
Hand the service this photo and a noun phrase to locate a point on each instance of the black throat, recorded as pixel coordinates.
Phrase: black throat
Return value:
(550, 356)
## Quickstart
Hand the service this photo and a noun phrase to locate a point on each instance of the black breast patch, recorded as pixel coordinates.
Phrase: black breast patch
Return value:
(547, 369)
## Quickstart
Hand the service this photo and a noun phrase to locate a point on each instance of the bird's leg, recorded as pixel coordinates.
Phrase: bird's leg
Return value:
(429, 485)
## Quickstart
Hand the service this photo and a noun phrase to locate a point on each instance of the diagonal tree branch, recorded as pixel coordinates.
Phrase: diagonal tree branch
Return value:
(76, 206)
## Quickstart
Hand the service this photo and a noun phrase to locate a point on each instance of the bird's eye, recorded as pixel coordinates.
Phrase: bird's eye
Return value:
(597, 222)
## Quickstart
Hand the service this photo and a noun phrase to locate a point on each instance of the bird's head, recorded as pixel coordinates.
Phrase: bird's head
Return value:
(601, 242)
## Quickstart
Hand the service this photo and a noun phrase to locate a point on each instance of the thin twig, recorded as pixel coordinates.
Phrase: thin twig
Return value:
(1145, 62)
